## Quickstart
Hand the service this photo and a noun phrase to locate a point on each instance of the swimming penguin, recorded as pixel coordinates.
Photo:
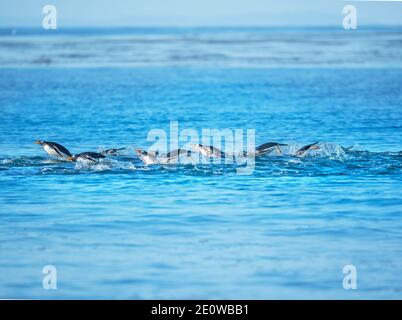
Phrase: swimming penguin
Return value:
(174, 155)
(112, 152)
(208, 151)
(87, 157)
(301, 152)
(269, 147)
(147, 157)
(347, 149)
(54, 149)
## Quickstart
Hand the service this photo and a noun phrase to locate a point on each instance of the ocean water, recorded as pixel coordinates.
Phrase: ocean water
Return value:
(120, 229)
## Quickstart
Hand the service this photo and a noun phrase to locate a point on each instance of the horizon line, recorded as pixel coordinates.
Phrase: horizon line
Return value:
(195, 26)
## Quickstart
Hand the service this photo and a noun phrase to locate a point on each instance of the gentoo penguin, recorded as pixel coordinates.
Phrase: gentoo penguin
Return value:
(269, 147)
(174, 155)
(147, 157)
(301, 152)
(54, 149)
(347, 149)
(87, 157)
(208, 151)
(112, 152)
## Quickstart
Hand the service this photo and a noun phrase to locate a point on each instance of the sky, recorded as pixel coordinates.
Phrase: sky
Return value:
(131, 13)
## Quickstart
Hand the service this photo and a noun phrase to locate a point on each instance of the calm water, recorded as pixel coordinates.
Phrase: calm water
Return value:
(122, 230)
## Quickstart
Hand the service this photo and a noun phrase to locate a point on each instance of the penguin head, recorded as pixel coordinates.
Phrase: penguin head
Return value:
(71, 158)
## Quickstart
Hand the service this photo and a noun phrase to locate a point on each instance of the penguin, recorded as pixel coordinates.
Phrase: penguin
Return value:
(174, 155)
(92, 157)
(302, 151)
(208, 151)
(148, 158)
(112, 152)
(54, 149)
(347, 149)
(269, 147)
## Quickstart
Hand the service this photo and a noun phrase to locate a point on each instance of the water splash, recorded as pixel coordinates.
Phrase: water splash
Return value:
(330, 159)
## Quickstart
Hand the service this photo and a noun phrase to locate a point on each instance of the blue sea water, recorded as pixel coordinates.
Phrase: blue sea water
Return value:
(120, 229)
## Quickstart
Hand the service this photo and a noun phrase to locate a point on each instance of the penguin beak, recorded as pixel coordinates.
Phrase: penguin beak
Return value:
(315, 147)
(70, 158)
(38, 142)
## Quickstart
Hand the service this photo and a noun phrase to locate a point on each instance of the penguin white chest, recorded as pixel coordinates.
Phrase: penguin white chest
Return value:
(50, 150)
(149, 160)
